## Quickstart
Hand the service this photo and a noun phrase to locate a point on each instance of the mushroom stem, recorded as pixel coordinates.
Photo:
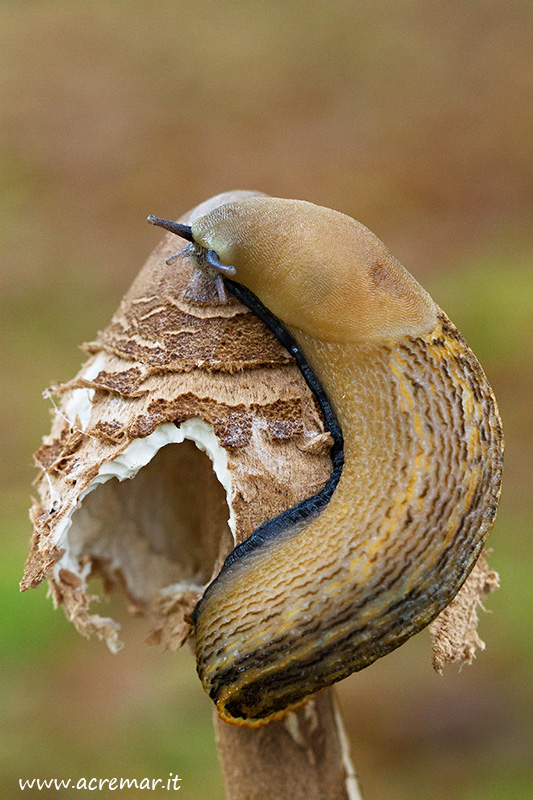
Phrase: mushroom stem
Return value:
(304, 756)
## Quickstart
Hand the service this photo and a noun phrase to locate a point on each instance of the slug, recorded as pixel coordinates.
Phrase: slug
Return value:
(345, 577)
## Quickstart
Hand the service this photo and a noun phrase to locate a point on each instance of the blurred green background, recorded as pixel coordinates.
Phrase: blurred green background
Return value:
(413, 116)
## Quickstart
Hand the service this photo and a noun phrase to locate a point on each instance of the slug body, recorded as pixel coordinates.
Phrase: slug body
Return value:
(305, 603)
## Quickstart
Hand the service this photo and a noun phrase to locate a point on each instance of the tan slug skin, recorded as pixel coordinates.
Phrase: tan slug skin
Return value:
(421, 479)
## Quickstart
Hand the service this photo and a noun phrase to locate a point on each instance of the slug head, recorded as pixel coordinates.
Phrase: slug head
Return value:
(317, 270)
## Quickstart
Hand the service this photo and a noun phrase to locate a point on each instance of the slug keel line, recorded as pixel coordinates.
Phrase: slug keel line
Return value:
(311, 505)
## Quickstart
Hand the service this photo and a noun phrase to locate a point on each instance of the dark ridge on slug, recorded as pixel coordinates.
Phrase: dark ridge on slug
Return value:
(311, 506)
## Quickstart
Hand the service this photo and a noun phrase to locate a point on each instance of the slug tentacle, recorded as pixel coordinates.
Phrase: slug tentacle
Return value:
(213, 260)
(174, 227)
(346, 577)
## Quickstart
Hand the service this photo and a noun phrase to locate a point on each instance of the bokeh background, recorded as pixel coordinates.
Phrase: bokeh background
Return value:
(414, 116)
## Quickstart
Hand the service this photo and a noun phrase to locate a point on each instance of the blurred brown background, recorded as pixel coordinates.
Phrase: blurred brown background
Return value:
(414, 117)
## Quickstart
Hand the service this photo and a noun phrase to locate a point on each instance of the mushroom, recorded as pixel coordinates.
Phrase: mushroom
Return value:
(191, 427)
